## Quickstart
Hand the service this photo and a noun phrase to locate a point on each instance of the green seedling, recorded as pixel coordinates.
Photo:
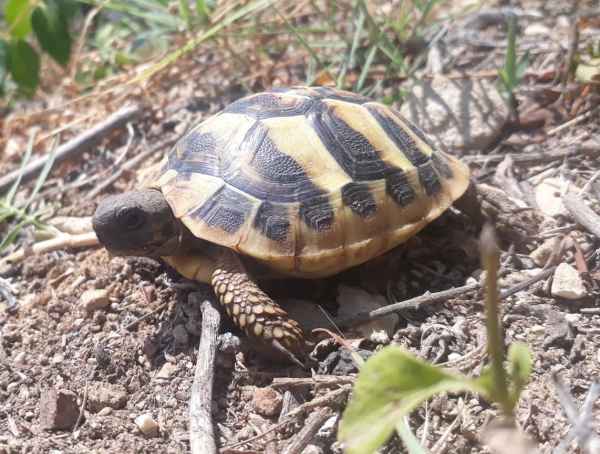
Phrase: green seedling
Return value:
(393, 382)
(513, 70)
(21, 214)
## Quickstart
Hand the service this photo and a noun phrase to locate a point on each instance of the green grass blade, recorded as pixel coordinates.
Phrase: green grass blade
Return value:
(43, 174)
(12, 235)
(300, 38)
(13, 189)
(366, 67)
(184, 11)
(249, 8)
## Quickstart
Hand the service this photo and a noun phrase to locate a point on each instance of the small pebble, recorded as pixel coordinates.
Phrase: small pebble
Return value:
(94, 299)
(20, 358)
(58, 409)
(454, 356)
(567, 283)
(267, 402)
(573, 318)
(102, 394)
(105, 411)
(147, 425)
(166, 371)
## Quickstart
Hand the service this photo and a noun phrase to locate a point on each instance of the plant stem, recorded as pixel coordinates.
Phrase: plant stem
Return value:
(490, 257)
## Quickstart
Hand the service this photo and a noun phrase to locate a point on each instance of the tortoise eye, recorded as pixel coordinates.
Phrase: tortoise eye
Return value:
(131, 217)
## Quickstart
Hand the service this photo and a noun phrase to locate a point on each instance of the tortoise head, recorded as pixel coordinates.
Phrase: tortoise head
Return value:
(139, 223)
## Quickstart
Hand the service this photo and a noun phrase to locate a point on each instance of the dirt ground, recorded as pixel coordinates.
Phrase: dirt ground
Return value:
(135, 352)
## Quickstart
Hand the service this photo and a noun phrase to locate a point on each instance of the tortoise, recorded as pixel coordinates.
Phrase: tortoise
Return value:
(302, 181)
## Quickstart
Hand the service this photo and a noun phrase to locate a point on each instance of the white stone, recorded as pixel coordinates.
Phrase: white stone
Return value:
(457, 113)
(94, 299)
(147, 425)
(452, 357)
(548, 196)
(543, 252)
(353, 300)
(166, 371)
(537, 29)
(567, 283)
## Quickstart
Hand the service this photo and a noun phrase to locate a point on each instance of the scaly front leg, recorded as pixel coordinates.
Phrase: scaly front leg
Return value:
(263, 320)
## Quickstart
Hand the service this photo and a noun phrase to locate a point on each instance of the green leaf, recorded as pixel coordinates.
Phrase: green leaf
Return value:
(413, 446)
(17, 14)
(24, 66)
(3, 64)
(519, 369)
(390, 385)
(52, 31)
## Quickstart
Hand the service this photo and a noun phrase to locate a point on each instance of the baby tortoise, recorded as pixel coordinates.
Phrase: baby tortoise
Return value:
(302, 181)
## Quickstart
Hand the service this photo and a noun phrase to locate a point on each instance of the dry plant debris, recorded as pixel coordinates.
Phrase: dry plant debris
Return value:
(98, 354)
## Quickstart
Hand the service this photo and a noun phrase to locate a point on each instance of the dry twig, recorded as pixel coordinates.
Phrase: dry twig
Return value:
(583, 214)
(304, 437)
(413, 303)
(202, 437)
(326, 380)
(83, 142)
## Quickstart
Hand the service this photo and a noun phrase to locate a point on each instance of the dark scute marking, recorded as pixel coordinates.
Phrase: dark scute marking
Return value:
(417, 131)
(269, 105)
(340, 95)
(317, 213)
(399, 136)
(398, 187)
(351, 150)
(440, 163)
(429, 179)
(280, 177)
(272, 221)
(360, 200)
(195, 153)
(227, 209)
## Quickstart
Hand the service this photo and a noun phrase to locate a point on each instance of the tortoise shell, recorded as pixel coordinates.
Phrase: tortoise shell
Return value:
(308, 180)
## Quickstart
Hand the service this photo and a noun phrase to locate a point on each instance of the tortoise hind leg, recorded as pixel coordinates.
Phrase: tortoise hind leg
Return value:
(263, 320)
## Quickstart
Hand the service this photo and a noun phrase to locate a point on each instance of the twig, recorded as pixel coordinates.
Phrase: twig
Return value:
(202, 437)
(523, 285)
(130, 165)
(413, 303)
(574, 121)
(144, 317)
(583, 214)
(589, 147)
(54, 244)
(581, 420)
(312, 425)
(326, 400)
(83, 403)
(290, 382)
(80, 144)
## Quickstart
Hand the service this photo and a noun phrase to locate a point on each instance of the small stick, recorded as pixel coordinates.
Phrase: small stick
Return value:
(304, 437)
(413, 303)
(202, 437)
(83, 142)
(130, 165)
(290, 382)
(574, 121)
(589, 147)
(326, 400)
(583, 214)
(60, 242)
